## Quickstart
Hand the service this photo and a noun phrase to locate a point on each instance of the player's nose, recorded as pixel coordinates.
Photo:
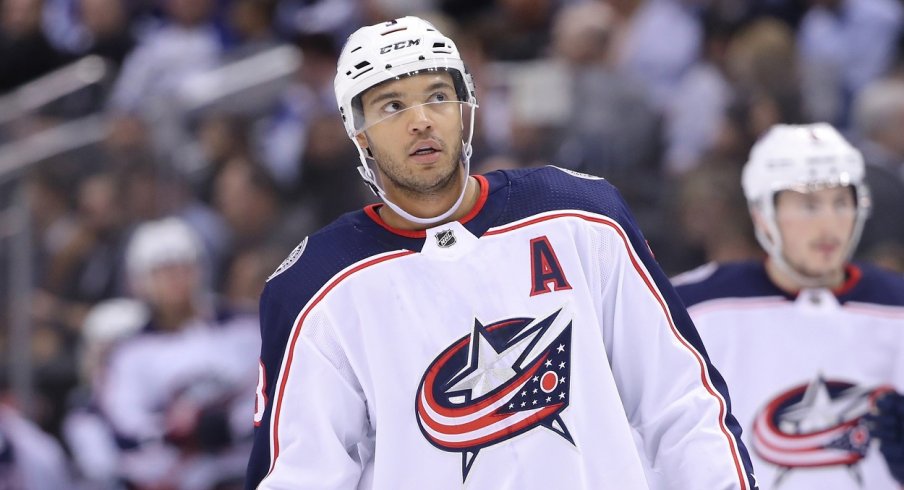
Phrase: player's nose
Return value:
(419, 120)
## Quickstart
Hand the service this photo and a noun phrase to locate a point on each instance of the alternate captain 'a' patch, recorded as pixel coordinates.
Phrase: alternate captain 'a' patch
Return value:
(500, 381)
(291, 259)
(817, 424)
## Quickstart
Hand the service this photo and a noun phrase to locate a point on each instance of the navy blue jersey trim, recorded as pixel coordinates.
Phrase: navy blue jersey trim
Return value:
(734, 280)
(749, 280)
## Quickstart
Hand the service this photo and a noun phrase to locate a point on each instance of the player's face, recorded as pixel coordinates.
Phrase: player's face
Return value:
(414, 129)
(816, 228)
(172, 286)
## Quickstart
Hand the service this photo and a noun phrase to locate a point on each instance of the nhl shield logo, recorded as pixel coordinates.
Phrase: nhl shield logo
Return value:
(445, 238)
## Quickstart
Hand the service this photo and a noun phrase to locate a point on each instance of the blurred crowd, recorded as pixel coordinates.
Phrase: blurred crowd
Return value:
(221, 148)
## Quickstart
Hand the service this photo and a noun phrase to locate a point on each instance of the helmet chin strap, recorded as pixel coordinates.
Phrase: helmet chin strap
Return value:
(370, 178)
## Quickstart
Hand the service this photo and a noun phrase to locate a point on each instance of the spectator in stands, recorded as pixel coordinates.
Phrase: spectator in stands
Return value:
(656, 42)
(694, 116)
(285, 135)
(516, 30)
(611, 120)
(89, 267)
(844, 45)
(252, 22)
(25, 51)
(764, 69)
(248, 199)
(878, 120)
(107, 27)
(83, 27)
(711, 221)
(186, 44)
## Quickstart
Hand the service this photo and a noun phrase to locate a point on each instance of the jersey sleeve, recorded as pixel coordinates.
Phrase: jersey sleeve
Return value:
(673, 396)
(311, 419)
(126, 401)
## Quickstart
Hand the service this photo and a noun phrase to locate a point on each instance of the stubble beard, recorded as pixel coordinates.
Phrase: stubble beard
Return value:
(414, 186)
(819, 275)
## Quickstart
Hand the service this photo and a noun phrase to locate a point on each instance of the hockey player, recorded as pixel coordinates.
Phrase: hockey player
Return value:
(806, 340)
(503, 331)
(177, 392)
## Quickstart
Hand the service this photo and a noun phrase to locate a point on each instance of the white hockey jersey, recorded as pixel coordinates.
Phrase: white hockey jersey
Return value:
(527, 346)
(157, 374)
(802, 368)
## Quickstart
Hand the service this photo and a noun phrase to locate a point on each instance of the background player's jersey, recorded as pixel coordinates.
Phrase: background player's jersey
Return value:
(526, 346)
(801, 369)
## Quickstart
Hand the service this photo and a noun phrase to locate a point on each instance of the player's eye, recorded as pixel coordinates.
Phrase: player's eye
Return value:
(844, 204)
(811, 205)
(392, 107)
(439, 97)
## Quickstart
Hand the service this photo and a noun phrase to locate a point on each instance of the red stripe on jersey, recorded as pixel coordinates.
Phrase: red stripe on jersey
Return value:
(739, 467)
(527, 422)
(274, 430)
(372, 213)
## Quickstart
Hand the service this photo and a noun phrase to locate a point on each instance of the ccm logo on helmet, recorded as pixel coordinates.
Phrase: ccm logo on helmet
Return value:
(400, 45)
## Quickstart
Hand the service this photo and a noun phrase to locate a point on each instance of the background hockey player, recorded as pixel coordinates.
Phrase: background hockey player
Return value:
(499, 331)
(806, 340)
(178, 392)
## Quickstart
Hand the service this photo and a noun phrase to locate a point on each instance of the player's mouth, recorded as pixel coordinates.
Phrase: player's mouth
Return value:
(827, 249)
(425, 151)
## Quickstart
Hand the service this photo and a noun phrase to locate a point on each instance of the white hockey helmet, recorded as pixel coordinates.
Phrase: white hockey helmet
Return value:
(158, 243)
(393, 50)
(106, 323)
(804, 158)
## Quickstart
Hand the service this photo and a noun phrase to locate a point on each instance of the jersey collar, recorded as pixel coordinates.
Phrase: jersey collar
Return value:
(372, 211)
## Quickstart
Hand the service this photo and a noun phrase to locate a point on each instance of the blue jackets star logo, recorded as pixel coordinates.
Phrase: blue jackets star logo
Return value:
(500, 381)
(817, 424)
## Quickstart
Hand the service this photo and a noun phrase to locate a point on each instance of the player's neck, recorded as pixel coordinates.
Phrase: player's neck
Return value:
(433, 207)
(792, 285)
(172, 319)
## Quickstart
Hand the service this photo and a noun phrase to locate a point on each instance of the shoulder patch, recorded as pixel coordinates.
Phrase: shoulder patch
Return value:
(579, 175)
(291, 259)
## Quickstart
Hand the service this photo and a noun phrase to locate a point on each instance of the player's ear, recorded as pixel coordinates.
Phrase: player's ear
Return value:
(361, 138)
(759, 222)
(362, 141)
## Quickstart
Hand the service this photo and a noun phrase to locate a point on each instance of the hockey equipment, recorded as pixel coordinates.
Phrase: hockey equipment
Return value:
(158, 243)
(390, 51)
(887, 425)
(802, 158)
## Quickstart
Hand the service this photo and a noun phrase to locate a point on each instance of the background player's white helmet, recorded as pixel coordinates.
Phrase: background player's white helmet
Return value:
(158, 243)
(392, 50)
(802, 158)
(105, 324)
